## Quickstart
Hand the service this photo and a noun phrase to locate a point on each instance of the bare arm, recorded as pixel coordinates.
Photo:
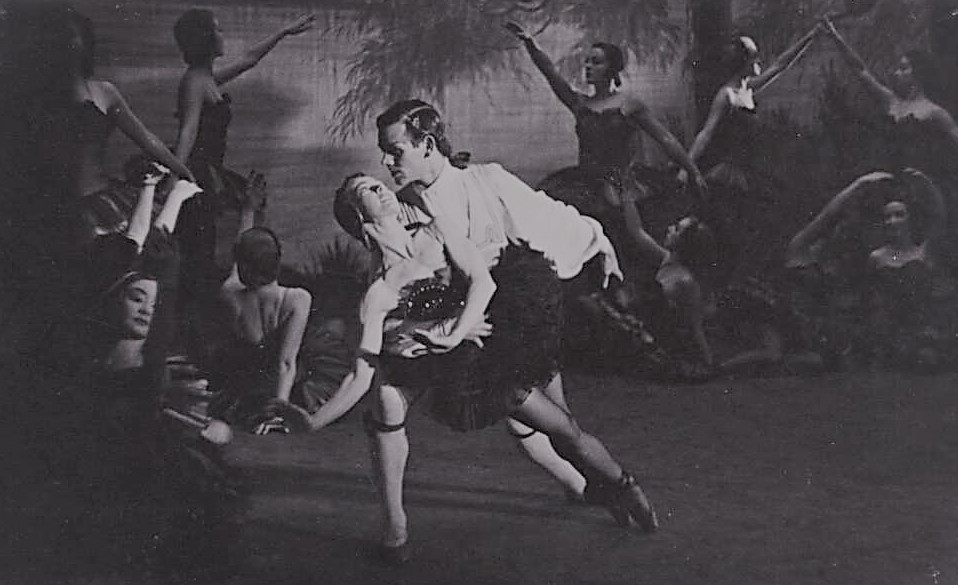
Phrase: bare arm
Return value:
(139, 226)
(358, 382)
(937, 212)
(884, 95)
(293, 328)
(718, 110)
(788, 58)
(560, 87)
(167, 217)
(799, 251)
(687, 296)
(636, 111)
(255, 54)
(120, 112)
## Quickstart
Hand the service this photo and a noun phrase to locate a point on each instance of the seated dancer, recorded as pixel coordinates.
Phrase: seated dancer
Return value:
(145, 481)
(266, 322)
(902, 318)
(432, 289)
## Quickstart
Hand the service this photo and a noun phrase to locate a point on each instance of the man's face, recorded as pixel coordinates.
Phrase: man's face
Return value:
(405, 161)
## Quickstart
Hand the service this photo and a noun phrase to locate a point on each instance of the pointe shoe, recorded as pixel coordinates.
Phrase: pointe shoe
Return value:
(395, 556)
(633, 505)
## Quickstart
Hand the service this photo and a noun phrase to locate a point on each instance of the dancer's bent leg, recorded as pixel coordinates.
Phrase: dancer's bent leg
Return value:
(615, 486)
(389, 449)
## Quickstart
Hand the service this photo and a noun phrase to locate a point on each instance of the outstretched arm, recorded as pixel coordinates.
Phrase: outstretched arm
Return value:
(255, 54)
(874, 87)
(568, 96)
(799, 251)
(936, 205)
(720, 106)
(640, 114)
(379, 300)
(130, 125)
(788, 58)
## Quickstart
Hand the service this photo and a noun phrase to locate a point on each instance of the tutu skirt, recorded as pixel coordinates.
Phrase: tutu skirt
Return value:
(471, 388)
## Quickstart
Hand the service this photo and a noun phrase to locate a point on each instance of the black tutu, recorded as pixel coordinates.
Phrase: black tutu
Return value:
(471, 388)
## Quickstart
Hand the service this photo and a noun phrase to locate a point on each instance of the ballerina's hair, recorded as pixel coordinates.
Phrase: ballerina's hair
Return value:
(926, 72)
(420, 119)
(615, 59)
(696, 245)
(739, 52)
(194, 34)
(258, 254)
(347, 211)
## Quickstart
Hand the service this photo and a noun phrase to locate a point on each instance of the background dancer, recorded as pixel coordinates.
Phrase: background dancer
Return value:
(204, 113)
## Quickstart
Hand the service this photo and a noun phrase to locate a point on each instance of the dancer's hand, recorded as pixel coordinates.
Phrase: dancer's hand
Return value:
(256, 193)
(516, 29)
(479, 332)
(437, 342)
(874, 177)
(303, 24)
(829, 26)
(295, 417)
(610, 268)
(184, 190)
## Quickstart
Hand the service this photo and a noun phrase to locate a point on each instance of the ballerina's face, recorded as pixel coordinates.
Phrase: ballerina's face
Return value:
(675, 231)
(904, 74)
(597, 66)
(895, 219)
(218, 42)
(374, 198)
(136, 308)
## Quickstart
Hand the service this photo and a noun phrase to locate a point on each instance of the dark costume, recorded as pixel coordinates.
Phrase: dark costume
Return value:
(471, 388)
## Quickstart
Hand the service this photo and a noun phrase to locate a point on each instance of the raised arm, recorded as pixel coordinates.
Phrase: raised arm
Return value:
(139, 226)
(120, 112)
(464, 255)
(935, 203)
(255, 54)
(874, 87)
(799, 251)
(181, 192)
(639, 113)
(785, 60)
(560, 87)
(253, 202)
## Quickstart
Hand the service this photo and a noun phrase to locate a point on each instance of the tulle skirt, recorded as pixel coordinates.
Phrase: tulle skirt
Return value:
(471, 388)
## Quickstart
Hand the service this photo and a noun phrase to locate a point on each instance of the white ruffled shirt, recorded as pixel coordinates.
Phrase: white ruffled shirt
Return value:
(495, 207)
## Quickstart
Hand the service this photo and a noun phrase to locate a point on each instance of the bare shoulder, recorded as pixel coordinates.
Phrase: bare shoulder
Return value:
(298, 299)
(631, 103)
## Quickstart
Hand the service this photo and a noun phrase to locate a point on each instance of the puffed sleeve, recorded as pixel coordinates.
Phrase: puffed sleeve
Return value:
(565, 236)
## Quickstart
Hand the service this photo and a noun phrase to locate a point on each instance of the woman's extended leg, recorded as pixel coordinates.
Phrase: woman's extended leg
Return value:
(609, 483)
(389, 450)
(538, 448)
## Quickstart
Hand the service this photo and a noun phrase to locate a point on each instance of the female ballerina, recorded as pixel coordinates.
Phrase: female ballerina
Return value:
(421, 299)
(725, 145)
(900, 273)
(261, 358)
